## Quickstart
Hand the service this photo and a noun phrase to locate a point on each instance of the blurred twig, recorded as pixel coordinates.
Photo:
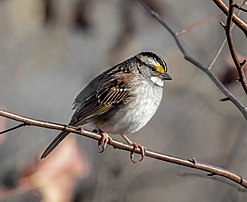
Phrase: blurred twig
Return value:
(240, 8)
(198, 23)
(193, 163)
(240, 23)
(217, 54)
(187, 56)
(238, 64)
(13, 128)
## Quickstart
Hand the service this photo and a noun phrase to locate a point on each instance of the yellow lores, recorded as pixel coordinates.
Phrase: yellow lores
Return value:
(160, 68)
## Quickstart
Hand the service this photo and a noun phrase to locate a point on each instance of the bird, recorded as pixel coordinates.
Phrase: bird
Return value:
(120, 100)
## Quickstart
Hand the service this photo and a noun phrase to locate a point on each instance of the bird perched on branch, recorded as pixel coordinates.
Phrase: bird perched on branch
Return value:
(121, 100)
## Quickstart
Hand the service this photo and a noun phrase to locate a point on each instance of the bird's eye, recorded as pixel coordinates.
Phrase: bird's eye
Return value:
(152, 68)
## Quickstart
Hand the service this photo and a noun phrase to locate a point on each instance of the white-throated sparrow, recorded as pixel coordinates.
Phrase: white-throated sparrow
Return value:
(121, 100)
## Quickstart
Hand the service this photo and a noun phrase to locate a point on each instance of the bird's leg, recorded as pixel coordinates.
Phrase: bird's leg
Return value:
(135, 145)
(105, 138)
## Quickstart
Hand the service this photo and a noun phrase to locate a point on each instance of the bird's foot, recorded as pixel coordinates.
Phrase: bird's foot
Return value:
(142, 151)
(135, 146)
(105, 138)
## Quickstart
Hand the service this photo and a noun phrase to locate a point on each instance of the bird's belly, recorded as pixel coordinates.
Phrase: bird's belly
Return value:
(129, 119)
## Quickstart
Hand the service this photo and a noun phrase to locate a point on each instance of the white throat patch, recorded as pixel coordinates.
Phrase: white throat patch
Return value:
(158, 81)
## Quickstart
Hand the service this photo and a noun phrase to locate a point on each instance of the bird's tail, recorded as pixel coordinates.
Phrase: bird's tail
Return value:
(54, 143)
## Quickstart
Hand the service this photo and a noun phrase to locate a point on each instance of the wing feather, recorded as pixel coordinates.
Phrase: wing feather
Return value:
(102, 100)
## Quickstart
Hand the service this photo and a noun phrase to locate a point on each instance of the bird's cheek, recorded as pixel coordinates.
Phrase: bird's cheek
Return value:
(158, 81)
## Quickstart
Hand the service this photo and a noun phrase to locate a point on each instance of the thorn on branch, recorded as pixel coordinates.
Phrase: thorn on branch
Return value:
(223, 24)
(80, 129)
(239, 80)
(242, 63)
(225, 99)
(211, 174)
(154, 13)
(241, 179)
(193, 160)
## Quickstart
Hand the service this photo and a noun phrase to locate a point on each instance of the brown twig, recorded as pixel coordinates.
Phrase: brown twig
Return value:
(227, 27)
(193, 163)
(240, 7)
(188, 57)
(217, 54)
(240, 23)
(198, 23)
(222, 45)
(13, 128)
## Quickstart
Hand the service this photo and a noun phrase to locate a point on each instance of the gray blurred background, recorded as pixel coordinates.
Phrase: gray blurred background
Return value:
(51, 49)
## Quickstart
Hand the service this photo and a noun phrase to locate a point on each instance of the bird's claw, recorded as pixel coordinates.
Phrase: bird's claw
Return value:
(105, 138)
(142, 149)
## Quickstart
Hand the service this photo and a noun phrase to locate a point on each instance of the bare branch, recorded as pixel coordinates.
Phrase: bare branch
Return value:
(188, 57)
(240, 23)
(14, 128)
(242, 78)
(217, 54)
(223, 43)
(198, 23)
(193, 163)
(239, 7)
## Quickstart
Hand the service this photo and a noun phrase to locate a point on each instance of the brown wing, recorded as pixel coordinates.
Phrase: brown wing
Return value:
(102, 100)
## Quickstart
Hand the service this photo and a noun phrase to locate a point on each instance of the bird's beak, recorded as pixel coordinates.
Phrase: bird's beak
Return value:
(166, 76)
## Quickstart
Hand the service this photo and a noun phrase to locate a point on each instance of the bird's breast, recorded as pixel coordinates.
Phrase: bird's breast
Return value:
(132, 115)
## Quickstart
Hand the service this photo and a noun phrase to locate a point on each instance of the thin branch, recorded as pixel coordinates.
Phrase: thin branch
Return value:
(198, 23)
(217, 54)
(240, 7)
(242, 78)
(212, 178)
(193, 163)
(223, 43)
(13, 128)
(188, 57)
(240, 23)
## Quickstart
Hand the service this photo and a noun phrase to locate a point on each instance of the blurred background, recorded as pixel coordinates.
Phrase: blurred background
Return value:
(49, 51)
